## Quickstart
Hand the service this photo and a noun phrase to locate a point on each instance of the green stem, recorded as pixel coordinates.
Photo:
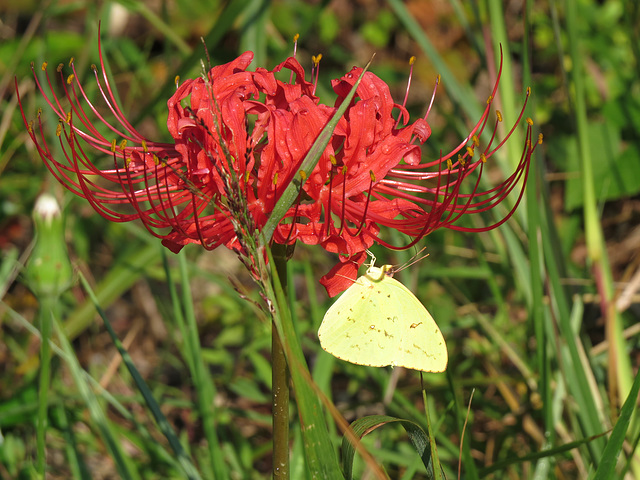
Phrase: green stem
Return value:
(435, 460)
(44, 382)
(280, 388)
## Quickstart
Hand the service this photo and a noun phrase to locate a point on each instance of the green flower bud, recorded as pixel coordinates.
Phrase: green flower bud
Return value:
(49, 271)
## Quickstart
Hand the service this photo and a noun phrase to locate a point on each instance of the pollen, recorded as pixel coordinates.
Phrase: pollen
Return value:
(372, 175)
(499, 115)
(94, 69)
(449, 163)
(70, 79)
(539, 138)
(333, 160)
(144, 146)
(123, 144)
(483, 158)
(528, 91)
(58, 130)
(59, 67)
(470, 151)
(490, 99)
(529, 121)
(316, 59)
(71, 61)
(113, 146)
(296, 37)
(412, 60)
(44, 66)
(177, 81)
(303, 175)
(476, 142)
(156, 160)
(275, 179)
(438, 79)
(67, 118)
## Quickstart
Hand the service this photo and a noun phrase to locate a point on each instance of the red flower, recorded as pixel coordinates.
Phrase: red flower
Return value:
(239, 138)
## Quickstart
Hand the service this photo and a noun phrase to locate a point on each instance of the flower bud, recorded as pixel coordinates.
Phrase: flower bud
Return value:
(49, 271)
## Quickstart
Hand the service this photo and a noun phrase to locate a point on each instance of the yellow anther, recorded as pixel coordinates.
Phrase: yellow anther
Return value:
(490, 99)
(461, 160)
(59, 130)
(483, 157)
(344, 170)
(177, 81)
(30, 127)
(412, 60)
(539, 138)
(275, 179)
(470, 152)
(94, 69)
(71, 61)
(372, 175)
(499, 115)
(39, 112)
(449, 163)
(156, 160)
(528, 91)
(303, 175)
(530, 121)
(67, 118)
(316, 59)
(476, 142)
(113, 145)
(123, 144)
(59, 67)
(127, 161)
(333, 160)
(296, 37)
(438, 79)
(70, 79)
(144, 146)
(44, 66)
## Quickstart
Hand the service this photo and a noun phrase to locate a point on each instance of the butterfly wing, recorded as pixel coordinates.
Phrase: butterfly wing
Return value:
(421, 346)
(346, 331)
(379, 322)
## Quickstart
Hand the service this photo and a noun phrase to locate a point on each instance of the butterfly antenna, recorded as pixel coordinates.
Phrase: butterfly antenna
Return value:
(412, 261)
(464, 427)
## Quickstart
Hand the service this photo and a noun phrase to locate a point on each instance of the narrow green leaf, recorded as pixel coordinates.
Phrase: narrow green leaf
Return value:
(123, 464)
(164, 425)
(363, 426)
(606, 469)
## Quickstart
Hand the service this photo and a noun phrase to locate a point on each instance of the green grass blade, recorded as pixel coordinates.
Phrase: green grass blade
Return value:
(123, 464)
(121, 277)
(320, 456)
(203, 384)
(606, 469)
(164, 425)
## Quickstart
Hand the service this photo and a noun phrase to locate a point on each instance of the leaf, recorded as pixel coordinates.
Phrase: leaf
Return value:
(606, 469)
(366, 425)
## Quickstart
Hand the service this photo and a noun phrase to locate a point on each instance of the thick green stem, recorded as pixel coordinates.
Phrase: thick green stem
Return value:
(280, 388)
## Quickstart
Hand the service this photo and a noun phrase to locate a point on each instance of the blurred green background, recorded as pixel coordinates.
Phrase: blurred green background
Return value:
(540, 315)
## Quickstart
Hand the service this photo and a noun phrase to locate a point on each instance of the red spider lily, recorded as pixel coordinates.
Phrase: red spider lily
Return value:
(239, 138)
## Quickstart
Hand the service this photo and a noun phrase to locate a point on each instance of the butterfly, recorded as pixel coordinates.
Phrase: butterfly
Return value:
(378, 322)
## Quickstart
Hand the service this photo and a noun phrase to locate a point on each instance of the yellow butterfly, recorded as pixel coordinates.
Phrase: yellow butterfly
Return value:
(377, 322)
